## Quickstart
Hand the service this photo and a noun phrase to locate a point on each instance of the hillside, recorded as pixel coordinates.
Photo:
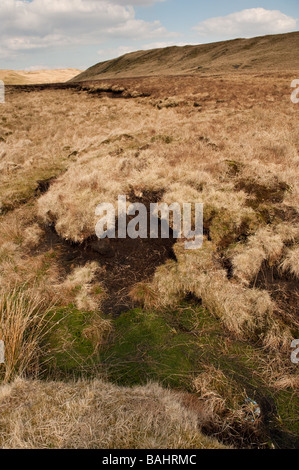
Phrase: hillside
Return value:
(277, 52)
(21, 77)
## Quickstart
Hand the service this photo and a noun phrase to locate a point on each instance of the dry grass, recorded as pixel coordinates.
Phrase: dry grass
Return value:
(96, 415)
(291, 262)
(79, 286)
(235, 417)
(246, 313)
(236, 151)
(141, 147)
(267, 244)
(23, 325)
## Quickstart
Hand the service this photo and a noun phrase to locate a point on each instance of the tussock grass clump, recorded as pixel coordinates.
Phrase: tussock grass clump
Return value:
(245, 312)
(291, 262)
(143, 294)
(267, 244)
(226, 410)
(287, 381)
(32, 236)
(96, 415)
(80, 287)
(23, 326)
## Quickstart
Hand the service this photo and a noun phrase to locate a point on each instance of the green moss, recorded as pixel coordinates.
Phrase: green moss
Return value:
(20, 189)
(287, 403)
(171, 347)
(71, 351)
(146, 348)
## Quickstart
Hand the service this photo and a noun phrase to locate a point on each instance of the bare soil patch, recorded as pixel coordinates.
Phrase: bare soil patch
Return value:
(125, 262)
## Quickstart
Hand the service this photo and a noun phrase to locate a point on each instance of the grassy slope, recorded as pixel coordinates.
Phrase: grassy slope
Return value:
(278, 52)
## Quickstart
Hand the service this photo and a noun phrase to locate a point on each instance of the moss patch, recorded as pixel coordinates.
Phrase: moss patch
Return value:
(147, 348)
(71, 351)
(173, 347)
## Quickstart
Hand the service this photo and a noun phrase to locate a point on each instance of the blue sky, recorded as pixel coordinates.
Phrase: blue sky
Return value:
(79, 33)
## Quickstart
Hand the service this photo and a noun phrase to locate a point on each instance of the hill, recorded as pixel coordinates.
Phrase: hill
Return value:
(21, 77)
(276, 52)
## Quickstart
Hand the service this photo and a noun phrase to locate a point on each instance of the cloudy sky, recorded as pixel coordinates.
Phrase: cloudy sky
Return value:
(79, 33)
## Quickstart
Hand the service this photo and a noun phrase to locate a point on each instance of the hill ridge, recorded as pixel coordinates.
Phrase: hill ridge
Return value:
(277, 52)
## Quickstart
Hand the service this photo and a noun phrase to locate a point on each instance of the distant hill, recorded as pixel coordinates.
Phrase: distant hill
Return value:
(20, 77)
(276, 52)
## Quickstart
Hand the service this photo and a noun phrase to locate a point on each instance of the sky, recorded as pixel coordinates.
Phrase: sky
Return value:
(36, 34)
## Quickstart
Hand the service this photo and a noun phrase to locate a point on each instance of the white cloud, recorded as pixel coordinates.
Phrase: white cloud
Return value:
(113, 52)
(138, 29)
(247, 23)
(137, 2)
(40, 24)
